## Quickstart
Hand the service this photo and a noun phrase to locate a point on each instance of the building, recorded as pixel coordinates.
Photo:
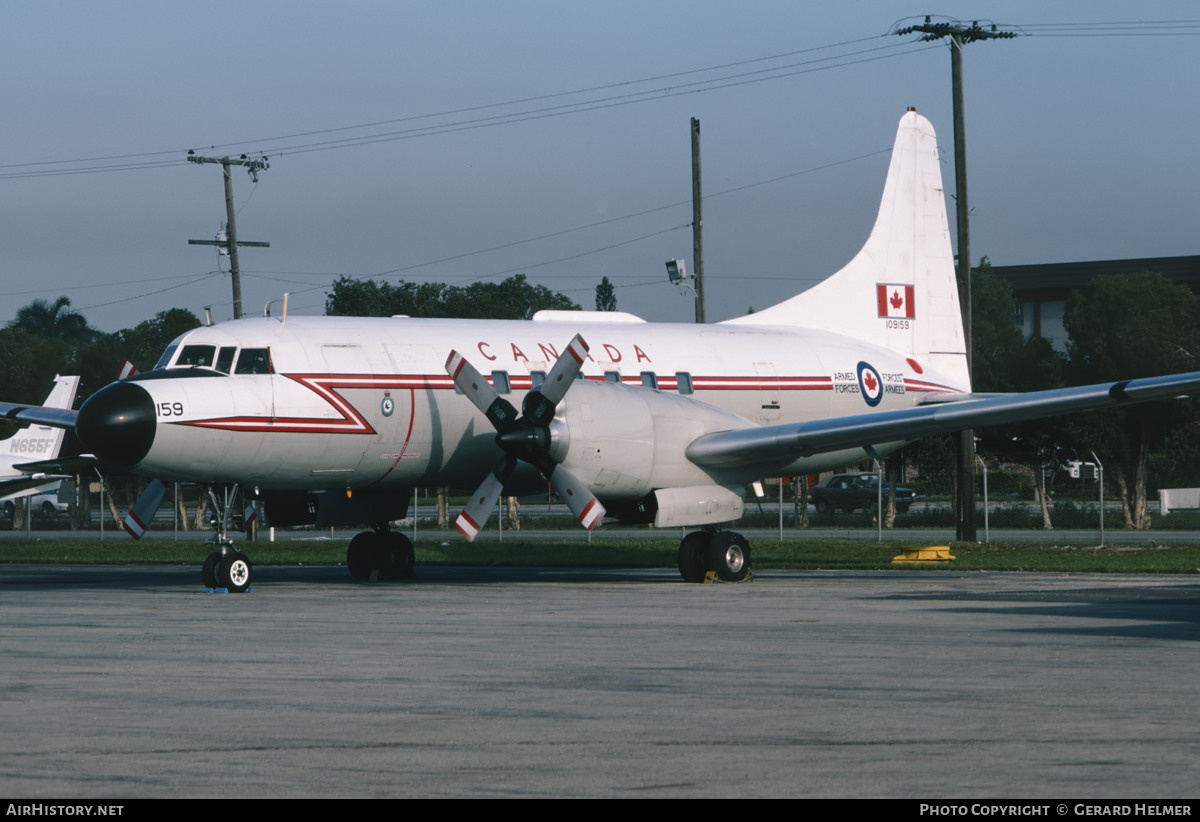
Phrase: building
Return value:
(1041, 291)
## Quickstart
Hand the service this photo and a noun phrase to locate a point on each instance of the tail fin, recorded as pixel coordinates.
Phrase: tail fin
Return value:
(41, 442)
(900, 291)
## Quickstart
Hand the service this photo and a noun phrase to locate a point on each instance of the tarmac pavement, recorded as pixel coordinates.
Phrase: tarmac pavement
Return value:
(129, 682)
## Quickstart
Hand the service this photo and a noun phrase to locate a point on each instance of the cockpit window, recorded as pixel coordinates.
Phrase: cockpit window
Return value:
(254, 361)
(165, 359)
(225, 358)
(197, 355)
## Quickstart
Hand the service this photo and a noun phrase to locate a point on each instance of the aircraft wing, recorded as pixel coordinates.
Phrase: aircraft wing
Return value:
(38, 415)
(62, 466)
(776, 446)
(13, 487)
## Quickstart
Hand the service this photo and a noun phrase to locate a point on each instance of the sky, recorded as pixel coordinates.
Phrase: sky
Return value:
(455, 141)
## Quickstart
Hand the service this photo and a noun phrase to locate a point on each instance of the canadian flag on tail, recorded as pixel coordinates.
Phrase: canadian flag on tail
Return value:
(895, 300)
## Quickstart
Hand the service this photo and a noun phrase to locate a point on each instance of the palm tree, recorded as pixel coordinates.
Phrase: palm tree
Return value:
(42, 318)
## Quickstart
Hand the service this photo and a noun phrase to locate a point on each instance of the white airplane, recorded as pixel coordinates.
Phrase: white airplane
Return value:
(28, 459)
(334, 420)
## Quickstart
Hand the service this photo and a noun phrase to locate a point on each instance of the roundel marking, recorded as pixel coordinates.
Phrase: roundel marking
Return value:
(870, 384)
(389, 405)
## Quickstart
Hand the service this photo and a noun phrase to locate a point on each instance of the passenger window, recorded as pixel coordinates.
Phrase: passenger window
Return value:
(612, 376)
(225, 358)
(684, 381)
(254, 361)
(197, 355)
(500, 382)
(649, 379)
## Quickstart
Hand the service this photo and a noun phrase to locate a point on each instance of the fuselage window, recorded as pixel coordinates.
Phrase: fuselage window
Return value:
(225, 358)
(684, 380)
(649, 379)
(500, 382)
(612, 376)
(197, 355)
(254, 361)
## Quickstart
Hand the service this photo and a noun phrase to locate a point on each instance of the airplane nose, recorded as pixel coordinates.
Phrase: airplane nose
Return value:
(117, 423)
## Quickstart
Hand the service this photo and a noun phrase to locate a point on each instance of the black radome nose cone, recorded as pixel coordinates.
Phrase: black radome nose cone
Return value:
(117, 423)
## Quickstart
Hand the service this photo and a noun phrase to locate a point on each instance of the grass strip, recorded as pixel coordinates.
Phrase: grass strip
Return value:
(1142, 556)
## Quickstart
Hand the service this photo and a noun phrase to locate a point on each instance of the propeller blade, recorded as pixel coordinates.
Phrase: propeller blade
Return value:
(540, 404)
(578, 497)
(472, 519)
(127, 370)
(142, 513)
(564, 370)
(499, 411)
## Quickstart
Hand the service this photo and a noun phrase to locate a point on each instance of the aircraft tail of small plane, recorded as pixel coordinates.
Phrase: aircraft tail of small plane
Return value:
(35, 444)
(39, 442)
(899, 291)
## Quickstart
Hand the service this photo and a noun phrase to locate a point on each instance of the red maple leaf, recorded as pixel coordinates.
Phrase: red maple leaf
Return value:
(896, 299)
(869, 381)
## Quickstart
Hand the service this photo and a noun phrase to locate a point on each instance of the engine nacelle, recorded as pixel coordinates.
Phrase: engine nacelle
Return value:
(625, 441)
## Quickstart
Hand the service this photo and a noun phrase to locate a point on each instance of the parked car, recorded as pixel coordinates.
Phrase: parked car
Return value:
(45, 505)
(853, 492)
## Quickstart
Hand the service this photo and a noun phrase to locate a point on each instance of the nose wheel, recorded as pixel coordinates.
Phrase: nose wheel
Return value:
(226, 567)
(724, 554)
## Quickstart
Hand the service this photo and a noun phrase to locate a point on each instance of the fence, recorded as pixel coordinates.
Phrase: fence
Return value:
(1073, 498)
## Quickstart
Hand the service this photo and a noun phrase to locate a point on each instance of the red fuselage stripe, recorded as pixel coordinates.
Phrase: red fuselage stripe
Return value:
(351, 421)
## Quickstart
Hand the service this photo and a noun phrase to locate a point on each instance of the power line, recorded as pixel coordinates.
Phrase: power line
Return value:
(99, 164)
(574, 229)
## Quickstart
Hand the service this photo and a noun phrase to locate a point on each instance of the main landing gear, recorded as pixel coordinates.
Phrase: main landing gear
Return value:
(226, 567)
(725, 553)
(380, 554)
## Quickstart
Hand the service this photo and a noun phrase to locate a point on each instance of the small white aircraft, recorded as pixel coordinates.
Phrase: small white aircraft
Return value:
(334, 420)
(29, 458)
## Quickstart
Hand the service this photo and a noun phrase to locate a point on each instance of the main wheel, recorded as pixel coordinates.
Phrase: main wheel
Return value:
(235, 572)
(208, 571)
(9, 510)
(693, 557)
(363, 555)
(729, 556)
(398, 555)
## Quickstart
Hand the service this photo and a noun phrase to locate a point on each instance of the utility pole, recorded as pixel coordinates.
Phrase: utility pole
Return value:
(230, 244)
(965, 453)
(697, 223)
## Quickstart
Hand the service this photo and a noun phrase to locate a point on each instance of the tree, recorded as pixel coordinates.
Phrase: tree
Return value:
(99, 361)
(1126, 326)
(513, 299)
(606, 296)
(54, 321)
(995, 340)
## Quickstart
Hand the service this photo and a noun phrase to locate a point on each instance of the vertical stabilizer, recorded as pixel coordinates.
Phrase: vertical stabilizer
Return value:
(900, 291)
(41, 442)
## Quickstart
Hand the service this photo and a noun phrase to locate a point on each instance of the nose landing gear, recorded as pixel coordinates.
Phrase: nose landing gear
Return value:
(226, 567)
